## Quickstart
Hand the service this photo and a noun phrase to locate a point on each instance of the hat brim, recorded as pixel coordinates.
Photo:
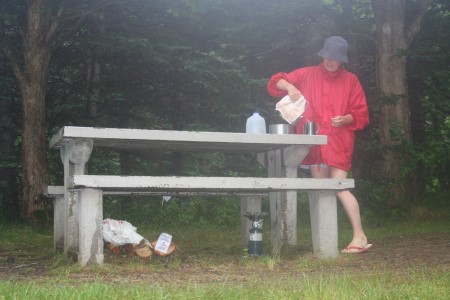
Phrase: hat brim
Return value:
(325, 54)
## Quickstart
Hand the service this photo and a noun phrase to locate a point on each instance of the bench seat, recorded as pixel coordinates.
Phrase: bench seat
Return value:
(93, 187)
(232, 185)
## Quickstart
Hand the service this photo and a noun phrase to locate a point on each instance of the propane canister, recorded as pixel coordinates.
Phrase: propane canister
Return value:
(255, 239)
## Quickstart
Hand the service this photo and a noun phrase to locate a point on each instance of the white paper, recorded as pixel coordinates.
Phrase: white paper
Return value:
(291, 111)
(163, 243)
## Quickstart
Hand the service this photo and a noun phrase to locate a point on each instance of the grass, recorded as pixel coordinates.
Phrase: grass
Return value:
(417, 285)
(211, 264)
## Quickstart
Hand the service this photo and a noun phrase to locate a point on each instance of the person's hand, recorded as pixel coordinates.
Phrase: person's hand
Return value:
(294, 93)
(340, 121)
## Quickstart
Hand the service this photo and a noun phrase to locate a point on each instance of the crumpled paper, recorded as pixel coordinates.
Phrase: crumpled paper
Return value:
(291, 111)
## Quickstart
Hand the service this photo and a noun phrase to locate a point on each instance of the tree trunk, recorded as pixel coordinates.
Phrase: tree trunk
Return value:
(391, 78)
(33, 83)
(8, 172)
(32, 75)
(93, 74)
(393, 39)
(34, 151)
(41, 19)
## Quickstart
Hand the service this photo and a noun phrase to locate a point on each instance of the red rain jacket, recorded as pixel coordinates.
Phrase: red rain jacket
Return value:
(329, 94)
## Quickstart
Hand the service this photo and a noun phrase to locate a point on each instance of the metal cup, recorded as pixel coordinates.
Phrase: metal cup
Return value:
(310, 128)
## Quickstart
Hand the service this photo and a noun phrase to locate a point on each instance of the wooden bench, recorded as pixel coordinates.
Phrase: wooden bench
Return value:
(280, 154)
(92, 188)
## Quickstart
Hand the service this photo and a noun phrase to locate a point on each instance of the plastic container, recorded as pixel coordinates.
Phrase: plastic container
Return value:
(256, 124)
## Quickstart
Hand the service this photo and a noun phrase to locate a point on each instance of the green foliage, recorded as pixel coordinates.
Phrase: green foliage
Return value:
(203, 65)
(10, 162)
(430, 85)
(179, 211)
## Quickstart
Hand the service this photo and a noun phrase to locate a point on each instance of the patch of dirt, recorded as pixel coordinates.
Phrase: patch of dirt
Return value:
(400, 254)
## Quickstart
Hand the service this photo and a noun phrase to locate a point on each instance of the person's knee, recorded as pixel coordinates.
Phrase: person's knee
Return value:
(342, 195)
(338, 173)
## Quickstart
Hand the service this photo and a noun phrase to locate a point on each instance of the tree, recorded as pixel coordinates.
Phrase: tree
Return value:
(396, 27)
(9, 123)
(429, 86)
(27, 35)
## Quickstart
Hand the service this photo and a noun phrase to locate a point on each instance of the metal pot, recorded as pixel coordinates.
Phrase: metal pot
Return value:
(281, 129)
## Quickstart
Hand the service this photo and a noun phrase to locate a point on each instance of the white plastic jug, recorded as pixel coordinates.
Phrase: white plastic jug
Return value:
(256, 124)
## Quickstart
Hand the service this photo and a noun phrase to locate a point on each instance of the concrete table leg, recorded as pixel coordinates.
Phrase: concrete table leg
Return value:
(57, 194)
(275, 169)
(283, 205)
(90, 216)
(290, 211)
(324, 227)
(292, 156)
(74, 156)
(58, 222)
(249, 204)
(276, 222)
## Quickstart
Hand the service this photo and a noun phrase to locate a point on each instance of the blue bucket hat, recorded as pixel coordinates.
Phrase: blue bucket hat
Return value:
(335, 48)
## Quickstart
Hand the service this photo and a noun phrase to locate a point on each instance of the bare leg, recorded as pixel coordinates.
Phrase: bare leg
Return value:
(349, 203)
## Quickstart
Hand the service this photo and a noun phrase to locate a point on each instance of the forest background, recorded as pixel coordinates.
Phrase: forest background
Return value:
(204, 65)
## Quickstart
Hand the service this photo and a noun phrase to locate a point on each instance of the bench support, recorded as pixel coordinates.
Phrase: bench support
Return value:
(91, 188)
(74, 156)
(324, 225)
(283, 163)
(90, 218)
(57, 194)
(291, 158)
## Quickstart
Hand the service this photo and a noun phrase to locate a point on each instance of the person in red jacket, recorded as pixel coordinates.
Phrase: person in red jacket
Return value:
(337, 104)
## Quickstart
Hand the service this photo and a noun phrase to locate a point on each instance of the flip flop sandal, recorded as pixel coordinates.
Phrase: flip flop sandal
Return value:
(356, 249)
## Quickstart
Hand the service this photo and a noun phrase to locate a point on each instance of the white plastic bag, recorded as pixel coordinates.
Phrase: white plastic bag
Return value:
(291, 111)
(119, 232)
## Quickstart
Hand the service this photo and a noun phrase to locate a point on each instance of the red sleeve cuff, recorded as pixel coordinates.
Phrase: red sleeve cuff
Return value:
(272, 88)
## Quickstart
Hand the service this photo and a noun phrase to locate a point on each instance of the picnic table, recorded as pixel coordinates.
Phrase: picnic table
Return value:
(79, 202)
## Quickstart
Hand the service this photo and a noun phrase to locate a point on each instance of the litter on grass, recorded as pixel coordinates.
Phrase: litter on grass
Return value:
(121, 236)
